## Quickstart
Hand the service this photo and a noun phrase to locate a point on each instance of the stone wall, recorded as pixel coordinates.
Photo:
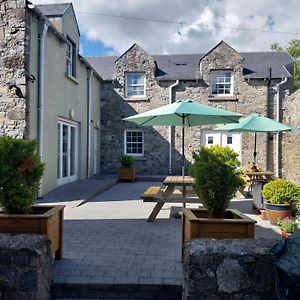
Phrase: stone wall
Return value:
(291, 142)
(250, 96)
(12, 68)
(25, 267)
(229, 269)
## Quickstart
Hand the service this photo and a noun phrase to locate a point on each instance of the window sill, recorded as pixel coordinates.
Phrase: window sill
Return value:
(139, 158)
(72, 78)
(136, 99)
(222, 98)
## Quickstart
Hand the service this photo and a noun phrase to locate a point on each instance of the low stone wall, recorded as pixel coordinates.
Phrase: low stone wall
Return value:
(228, 269)
(25, 267)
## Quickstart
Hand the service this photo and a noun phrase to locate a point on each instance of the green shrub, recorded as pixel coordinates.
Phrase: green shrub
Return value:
(127, 161)
(288, 225)
(281, 191)
(217, 177)
(21, 172)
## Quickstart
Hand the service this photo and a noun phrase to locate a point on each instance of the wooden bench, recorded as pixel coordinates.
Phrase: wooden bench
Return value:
(157, 194)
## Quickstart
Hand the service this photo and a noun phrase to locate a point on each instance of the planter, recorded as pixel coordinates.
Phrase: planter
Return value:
(127, 173)
(235, 225)
(277, 211)
(44, 219)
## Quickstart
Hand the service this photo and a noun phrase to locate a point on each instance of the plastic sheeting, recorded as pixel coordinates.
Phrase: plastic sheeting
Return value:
(286, 257)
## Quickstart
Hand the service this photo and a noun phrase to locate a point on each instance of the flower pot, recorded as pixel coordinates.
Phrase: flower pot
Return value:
(127, 173)
(277, 212)
(44, 219)
(284, 234)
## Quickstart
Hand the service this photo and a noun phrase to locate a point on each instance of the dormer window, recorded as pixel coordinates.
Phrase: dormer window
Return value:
(135, 85)
(221, 83)
(70, 58)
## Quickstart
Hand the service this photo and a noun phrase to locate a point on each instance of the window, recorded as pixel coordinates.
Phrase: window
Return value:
(71, 58)
(210, 140)
(135, 85)
(134, 142)
(229, 140)
(221, 83)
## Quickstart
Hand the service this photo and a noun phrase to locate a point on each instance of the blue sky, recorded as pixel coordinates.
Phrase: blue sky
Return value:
(177, 26)
(93, 48)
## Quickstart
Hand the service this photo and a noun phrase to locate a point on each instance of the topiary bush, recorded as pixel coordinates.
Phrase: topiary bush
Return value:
(21, 171)
(127, 161)
(217, 177)
(281, 191)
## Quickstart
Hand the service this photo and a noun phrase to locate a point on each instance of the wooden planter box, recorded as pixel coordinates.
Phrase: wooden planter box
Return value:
(127, 173)
(43, 220)
(196, 224)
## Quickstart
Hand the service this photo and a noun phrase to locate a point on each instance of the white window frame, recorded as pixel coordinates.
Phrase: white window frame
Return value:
(221, 81)
(135, 85)
(70, 58)
(125, 143)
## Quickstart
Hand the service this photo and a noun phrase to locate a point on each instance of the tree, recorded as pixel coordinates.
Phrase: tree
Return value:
(294, 50)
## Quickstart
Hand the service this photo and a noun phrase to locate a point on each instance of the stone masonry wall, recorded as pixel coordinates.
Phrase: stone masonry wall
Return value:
(291, 142)
(229, 269)
(25, 267)
(12, 68)
(250, 96)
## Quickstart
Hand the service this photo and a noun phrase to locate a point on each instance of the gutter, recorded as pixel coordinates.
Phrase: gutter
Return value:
(170, 127)
(277, 87)
(89, 121)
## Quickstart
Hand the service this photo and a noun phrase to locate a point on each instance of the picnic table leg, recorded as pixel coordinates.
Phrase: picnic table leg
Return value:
(155, 211)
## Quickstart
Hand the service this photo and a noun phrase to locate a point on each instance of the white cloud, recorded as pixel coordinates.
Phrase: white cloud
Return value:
(190, 35)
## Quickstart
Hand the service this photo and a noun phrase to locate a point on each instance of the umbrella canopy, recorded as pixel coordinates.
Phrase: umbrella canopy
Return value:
(185, 113)
(257, 123)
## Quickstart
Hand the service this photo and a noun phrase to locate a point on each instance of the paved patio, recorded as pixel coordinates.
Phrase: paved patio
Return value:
(107, 241)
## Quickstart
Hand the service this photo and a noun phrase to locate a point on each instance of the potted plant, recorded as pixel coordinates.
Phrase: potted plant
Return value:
(21, 171)
(217, 178)
(280, 195)
(127, 170)
(287, 226)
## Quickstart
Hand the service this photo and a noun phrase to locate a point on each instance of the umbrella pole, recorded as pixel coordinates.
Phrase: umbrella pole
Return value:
(254, 153)
(183, 162)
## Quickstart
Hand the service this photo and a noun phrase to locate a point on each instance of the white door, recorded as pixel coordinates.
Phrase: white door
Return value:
(67, 152)
(95, 150)
(222, 138)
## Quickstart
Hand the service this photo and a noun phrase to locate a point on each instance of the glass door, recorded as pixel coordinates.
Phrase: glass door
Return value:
(66, 152)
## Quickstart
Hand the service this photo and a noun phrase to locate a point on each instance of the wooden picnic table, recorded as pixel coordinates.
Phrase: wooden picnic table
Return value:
(170, 194)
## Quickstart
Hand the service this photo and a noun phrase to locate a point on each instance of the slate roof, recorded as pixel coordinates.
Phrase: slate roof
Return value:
(53, 10)
(185, 66)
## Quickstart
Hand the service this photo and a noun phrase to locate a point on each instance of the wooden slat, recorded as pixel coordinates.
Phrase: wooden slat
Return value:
(152, 192)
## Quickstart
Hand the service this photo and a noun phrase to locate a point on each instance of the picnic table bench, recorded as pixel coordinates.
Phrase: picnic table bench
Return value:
(170, 194)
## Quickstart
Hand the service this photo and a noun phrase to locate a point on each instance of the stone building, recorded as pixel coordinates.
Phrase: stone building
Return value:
(137, 81)
(47, 90)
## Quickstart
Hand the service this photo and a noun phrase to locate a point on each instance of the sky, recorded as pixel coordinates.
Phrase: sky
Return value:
(110, 27)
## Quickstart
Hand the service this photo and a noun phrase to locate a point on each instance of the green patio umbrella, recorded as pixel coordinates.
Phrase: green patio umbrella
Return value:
(185, 113)
(257, 123)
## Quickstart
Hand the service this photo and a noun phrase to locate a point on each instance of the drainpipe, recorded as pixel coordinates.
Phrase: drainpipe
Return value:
(170, 127)
(277, 87)
(42, 29)
(89, 121)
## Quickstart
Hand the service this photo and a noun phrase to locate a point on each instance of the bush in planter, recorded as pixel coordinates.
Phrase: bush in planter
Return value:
(127, 161)
(21, 171)
(217, 177)
(281, 191)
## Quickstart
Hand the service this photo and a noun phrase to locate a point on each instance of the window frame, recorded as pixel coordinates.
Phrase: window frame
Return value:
(221, 74)
(125, 143)
(135, 85)
(70, 58)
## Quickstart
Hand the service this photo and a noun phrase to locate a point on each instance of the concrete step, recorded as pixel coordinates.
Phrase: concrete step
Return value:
(116, 291)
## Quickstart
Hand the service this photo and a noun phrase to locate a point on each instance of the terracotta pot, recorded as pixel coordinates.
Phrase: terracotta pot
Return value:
(284, 234)
(277, 212)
